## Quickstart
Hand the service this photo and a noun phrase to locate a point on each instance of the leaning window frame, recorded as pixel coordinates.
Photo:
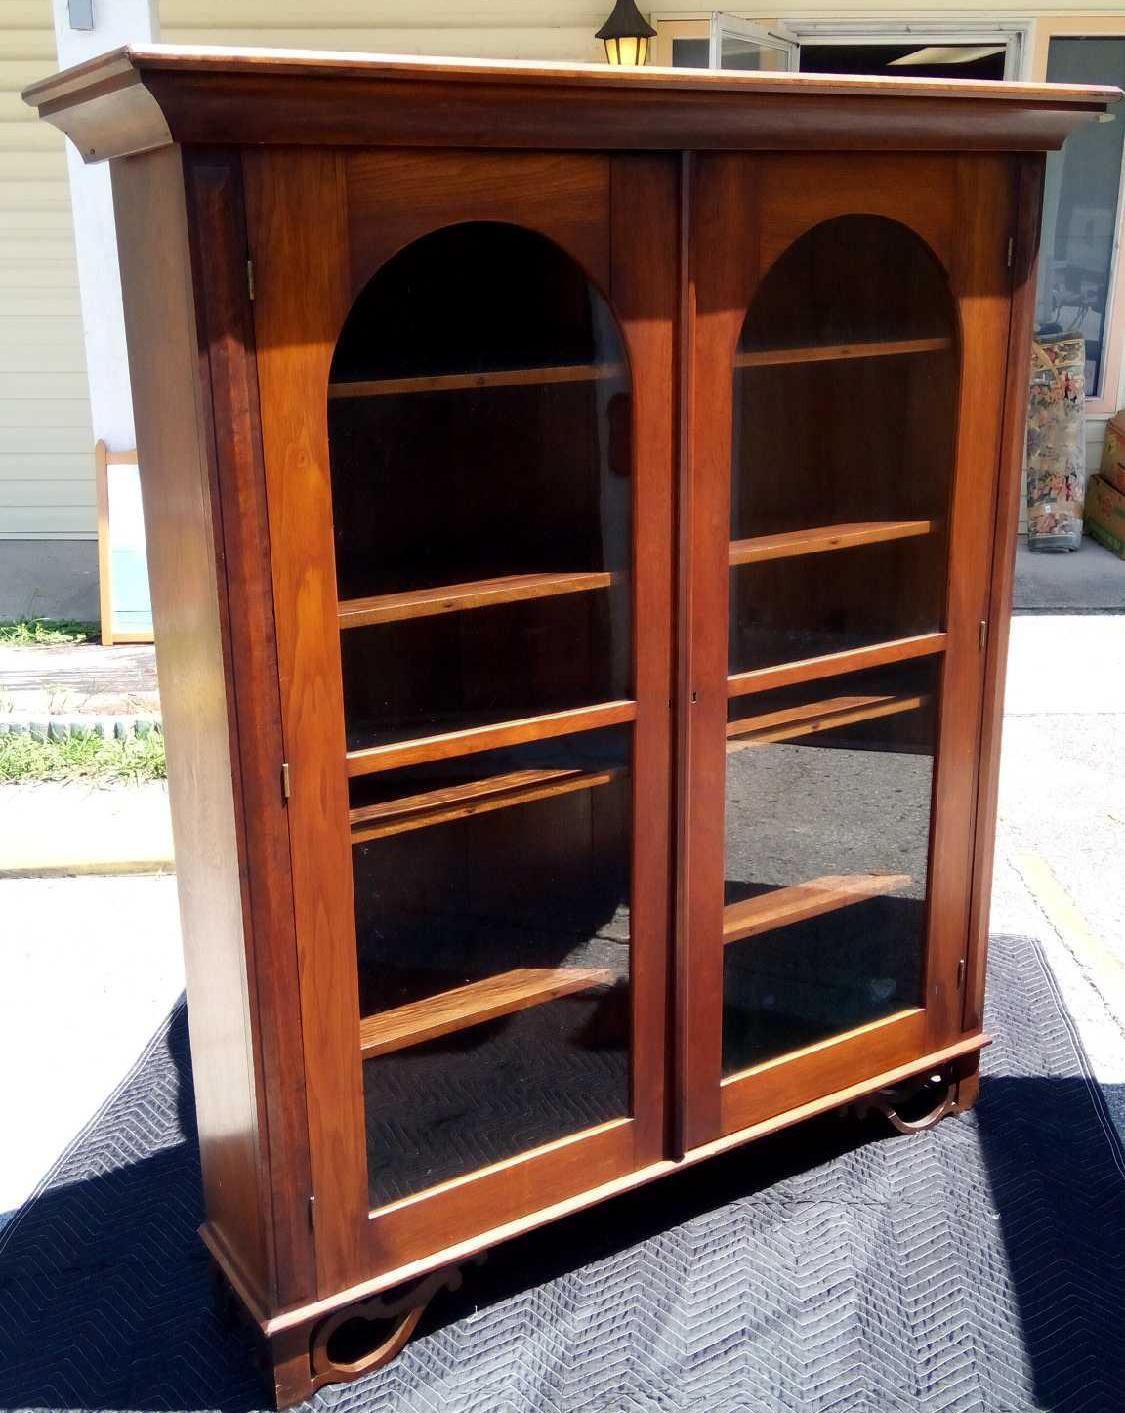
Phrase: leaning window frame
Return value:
(1016, 35)
(1102, 407)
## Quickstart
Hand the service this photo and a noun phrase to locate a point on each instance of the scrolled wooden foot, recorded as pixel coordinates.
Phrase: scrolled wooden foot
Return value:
(918, 1104)
(365, 1336)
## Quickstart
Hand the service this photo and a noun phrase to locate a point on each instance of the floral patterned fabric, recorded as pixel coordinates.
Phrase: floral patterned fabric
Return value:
(1056, 443)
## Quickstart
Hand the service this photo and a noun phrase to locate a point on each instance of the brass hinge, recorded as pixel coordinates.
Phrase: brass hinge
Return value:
(1011, 252)
(960, 973)
(982, 633)
(286, 789)
(250, 279)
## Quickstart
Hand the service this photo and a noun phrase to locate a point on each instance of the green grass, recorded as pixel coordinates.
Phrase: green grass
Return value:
(50, 632)
(130, 761)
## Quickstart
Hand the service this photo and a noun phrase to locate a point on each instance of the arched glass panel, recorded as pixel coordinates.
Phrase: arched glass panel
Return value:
(479, 421)
(845, 388)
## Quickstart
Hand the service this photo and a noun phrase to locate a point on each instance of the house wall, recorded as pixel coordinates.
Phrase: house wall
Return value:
(46, 446)
(514, 29)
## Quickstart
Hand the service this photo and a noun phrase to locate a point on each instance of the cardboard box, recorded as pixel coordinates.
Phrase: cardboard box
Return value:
(1113, 453)
(1105, 514)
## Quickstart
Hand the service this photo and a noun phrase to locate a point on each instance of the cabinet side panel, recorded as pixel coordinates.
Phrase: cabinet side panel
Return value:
(981, 284)
(228, 370)
(151, 218)
(1028, 178)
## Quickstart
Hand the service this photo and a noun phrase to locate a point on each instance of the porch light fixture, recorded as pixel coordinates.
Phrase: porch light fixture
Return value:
(626, 35)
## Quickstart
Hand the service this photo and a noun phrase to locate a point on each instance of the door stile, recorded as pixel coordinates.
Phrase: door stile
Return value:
(681, 1023)
(981, 286)
(296, 215)
(644, 265)
(722, 219)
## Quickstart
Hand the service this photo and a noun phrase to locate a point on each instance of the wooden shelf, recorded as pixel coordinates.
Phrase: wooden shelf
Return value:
(468, 382)
(519, 787)
(822, 538)
(471, 739)
(834, 352)
(812, 717)
(480, 1001)
(785, 906)
(812, 669)
(455, 598)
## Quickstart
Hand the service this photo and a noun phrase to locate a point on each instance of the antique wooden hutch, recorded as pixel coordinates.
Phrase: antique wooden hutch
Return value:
(581, 508)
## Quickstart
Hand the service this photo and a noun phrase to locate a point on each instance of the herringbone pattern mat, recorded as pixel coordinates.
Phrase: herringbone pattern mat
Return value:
(979, 1268)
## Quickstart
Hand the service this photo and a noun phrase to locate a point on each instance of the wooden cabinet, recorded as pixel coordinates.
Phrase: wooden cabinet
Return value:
(581, 510)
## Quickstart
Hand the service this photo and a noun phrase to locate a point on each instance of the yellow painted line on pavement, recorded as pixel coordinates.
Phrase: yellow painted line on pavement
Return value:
(1066, 918)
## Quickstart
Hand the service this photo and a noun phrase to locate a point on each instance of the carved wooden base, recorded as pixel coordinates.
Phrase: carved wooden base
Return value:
(356, 1339)
(922, 1102)
(344, 1345)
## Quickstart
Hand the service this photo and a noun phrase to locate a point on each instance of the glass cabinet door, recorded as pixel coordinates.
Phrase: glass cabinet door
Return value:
(817, 736)
(471, 535)
(844, 417)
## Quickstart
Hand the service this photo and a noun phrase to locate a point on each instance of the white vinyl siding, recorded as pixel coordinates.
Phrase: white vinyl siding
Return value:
(46, 442)
(509, 29)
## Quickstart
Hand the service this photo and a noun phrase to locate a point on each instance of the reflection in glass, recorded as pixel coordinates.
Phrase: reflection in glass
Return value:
(510, 927)
(844, 406)
(533, 764)
(828, 798)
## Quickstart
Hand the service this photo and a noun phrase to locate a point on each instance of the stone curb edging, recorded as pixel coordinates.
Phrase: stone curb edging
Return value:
(60, 728)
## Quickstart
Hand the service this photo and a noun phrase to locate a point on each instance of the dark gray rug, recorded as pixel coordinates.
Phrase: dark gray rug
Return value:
(977, 1267)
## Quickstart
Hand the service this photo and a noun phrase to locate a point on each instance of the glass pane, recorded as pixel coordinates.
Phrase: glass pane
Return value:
(532, 764)
(428, 675)
(845, 392)
(844, 406)
(1080, 208)
(828, 801)
(786, 610)
(751, 55)
(526, 907)
(482, 491)
(691, 53)
(479, 417)
(944, 61)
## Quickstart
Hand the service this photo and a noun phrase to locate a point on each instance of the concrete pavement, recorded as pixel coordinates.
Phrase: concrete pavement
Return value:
(89, 967)
(57, 830)
(1060, 855)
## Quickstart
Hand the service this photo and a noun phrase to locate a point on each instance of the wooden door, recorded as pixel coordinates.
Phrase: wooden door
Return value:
(848, 329)
(466, 368)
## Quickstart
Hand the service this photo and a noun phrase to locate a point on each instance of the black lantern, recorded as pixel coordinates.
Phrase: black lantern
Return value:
(626, 35)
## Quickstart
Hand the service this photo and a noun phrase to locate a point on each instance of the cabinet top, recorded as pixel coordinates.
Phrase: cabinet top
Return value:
(135, 99)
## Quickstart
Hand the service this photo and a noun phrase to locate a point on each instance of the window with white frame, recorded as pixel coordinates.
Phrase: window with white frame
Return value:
(1081, 216)
(963, 49)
